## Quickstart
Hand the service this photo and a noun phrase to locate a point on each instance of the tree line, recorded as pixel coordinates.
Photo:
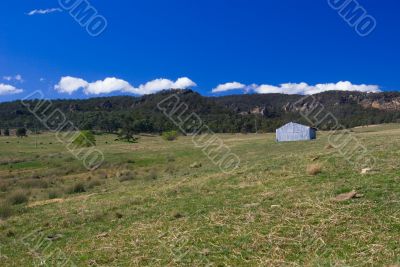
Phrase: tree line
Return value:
(231, 114)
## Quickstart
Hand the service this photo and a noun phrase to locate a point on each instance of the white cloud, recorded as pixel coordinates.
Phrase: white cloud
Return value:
(184, 83)
(107, 86)
(164, 84)
(17, 77)
(71, 84)
(44, 11)
(6, 89)
(228, 86)
(304, 88)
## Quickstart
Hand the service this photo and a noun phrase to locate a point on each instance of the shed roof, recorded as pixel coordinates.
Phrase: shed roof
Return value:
(294, 124)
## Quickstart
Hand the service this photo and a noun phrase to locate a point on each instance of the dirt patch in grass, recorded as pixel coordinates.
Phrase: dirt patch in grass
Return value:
(329, 147)
(314, 169)
(58, 200)
(347, 196)
(45, 202)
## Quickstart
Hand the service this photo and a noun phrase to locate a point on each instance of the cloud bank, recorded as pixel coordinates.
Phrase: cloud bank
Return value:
(44, 11)
(6, 89)
(70, 85)
(298, 88)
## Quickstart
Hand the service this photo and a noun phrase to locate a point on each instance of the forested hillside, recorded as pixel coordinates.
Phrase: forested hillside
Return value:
(230, 114)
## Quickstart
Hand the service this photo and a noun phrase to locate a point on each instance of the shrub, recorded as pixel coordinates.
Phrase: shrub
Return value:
(85, 139)
(126, 176)
(18, 197)
(152, 175)
(35, 176)
(170, 158)
(54, 194)
(170, 136)
(314, 169)
(76, 188)
(102, 175)
(21, 132)
(34, 183)
(69, 171)
(4, 186)
(5, 210)
(94, 183)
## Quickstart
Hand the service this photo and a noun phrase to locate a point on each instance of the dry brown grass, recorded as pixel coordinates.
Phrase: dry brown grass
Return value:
(314, 169)
(94, 183)
(4, 186)
(5, 210)
(18, 197)
(271, 212)
(329, 147)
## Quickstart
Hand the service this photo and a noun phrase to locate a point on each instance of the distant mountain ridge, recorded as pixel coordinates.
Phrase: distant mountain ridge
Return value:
(234, 113)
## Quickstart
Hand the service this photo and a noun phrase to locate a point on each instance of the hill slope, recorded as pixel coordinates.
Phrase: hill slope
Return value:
(269, 212)
(236, 113)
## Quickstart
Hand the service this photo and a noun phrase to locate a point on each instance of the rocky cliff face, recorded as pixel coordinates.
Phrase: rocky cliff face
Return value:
(350, 108)
(335, 100)
(382, 104)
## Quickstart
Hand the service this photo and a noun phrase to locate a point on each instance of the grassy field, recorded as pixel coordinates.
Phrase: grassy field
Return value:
(158, 203)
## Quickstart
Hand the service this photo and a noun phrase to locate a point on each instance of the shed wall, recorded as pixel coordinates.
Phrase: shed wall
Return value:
(294, 132)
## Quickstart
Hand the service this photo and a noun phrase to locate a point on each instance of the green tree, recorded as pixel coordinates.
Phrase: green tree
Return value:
(6, 132)
(129, 130)
(127, 134)
(85, 139)
(143, 126)
(21, 132)
(108, 124)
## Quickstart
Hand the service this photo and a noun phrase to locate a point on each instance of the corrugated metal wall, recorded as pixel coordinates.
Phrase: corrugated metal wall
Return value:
(295, 132)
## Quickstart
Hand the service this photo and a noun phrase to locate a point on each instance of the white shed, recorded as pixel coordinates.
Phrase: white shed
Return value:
(295, 132)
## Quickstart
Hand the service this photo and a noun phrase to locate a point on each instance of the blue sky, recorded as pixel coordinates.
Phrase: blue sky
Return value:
(253, 46)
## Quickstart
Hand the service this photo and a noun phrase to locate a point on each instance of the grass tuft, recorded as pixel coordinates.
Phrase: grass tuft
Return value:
(54, 194)
(94, 183)
(76, 188)
(5, 210)
(126, 176)
(18, 197)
